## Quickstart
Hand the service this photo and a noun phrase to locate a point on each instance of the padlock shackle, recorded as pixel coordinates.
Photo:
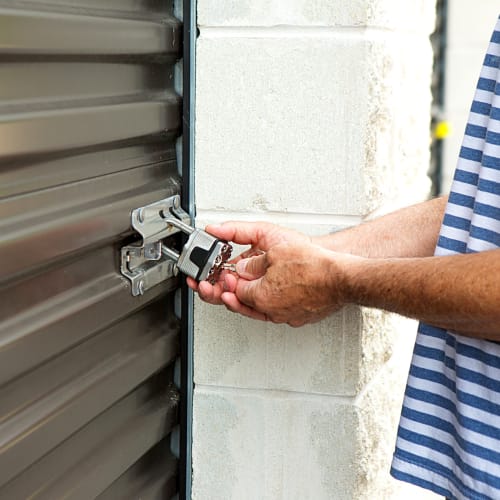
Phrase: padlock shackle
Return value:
(174, 221)
(168, 252)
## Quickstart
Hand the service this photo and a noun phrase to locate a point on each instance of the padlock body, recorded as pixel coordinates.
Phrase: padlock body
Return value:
(202, 255)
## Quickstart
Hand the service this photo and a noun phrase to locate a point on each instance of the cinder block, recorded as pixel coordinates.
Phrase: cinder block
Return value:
(386, 341)
(337, 356)
(308, 224)
(415, 16)
(309, 125)
(271, 132)
(263, 445)
(397, 152)
(234, 351)
(286, 446)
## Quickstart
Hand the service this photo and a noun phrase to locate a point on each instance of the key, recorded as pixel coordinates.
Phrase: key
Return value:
(229, 267)
(202, 257)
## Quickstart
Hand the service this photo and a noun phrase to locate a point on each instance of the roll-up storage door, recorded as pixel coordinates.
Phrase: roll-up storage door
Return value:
(89, 118)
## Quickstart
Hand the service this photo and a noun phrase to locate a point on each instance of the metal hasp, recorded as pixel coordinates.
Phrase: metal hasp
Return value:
(202, 256)
(150, 263)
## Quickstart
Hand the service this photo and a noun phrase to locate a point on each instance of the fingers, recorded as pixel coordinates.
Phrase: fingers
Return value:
(252, 268)
(233, 304)
(240, 293)
(224, 294)
(246, 291)
(243, 233)
(211, 293)
(230, 282)
(191, 283)
(207, 292)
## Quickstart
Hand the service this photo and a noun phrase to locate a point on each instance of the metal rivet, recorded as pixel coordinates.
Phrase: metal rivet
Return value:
(177, 202)
(140, 287)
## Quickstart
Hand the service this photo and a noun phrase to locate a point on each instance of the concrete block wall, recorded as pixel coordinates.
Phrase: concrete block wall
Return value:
(314, 115)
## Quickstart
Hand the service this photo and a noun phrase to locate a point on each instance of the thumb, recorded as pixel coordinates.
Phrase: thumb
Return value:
(253, 267)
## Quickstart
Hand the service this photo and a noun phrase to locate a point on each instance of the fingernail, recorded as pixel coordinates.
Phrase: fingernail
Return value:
(241, 266)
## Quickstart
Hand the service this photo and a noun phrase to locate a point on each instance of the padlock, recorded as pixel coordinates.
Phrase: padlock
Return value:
(202, 256)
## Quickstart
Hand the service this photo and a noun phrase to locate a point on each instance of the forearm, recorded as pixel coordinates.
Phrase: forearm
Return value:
(409, 232)
(460, 293)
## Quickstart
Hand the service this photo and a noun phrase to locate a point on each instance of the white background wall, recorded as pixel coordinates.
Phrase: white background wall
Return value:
(469, 26)
(314, 115)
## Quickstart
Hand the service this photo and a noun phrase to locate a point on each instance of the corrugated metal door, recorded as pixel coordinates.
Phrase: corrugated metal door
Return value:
(89, 118)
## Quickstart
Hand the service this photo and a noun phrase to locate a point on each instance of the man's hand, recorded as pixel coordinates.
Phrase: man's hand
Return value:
(390, 236)
(261, 236)
(290, 283)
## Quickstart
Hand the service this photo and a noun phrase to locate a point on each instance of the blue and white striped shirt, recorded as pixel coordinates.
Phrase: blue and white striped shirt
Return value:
(449, 433)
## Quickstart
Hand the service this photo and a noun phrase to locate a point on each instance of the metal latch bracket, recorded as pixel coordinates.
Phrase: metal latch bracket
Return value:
(145, 265)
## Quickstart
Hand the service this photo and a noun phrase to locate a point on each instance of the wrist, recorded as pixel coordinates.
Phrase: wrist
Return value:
(352, 278)
(335, 242)
(342, 276)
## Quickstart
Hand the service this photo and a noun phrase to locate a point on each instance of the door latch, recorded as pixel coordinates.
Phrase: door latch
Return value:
(155, 260)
